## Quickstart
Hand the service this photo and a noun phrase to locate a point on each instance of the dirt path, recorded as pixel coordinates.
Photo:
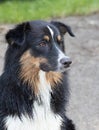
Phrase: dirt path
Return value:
(84, 73)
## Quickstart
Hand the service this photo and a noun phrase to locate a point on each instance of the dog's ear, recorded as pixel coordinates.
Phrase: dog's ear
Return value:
(17, 35)
(63, 28)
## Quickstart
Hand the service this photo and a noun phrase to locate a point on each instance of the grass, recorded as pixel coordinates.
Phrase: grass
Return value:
(13, 11)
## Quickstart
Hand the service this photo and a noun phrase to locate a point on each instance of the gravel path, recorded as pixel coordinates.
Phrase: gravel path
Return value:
(83, 107)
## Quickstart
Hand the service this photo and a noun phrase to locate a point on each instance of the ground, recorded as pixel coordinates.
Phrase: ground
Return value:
(83, 106)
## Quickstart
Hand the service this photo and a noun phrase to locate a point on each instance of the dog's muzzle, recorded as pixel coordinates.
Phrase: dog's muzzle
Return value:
(65, 62)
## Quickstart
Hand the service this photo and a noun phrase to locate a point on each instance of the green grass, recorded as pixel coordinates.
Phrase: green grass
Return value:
(14, 11)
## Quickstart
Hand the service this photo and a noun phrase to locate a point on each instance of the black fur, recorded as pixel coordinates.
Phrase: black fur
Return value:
(17, 98)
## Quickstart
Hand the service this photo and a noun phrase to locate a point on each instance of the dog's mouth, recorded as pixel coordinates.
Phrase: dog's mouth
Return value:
(63, 69)
(59, 68)
(45, 67)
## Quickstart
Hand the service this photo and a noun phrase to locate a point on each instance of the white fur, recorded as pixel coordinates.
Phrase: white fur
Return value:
(61, 55)
(51, 31)
(43, 116)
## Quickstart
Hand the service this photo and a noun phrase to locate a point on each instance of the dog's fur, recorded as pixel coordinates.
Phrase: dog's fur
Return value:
(33, 87)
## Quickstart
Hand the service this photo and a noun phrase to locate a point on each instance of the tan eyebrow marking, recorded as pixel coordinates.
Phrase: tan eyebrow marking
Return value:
(46, 38)
(59, 38)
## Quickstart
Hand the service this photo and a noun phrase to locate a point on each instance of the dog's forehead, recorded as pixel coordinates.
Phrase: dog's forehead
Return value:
(44, 28)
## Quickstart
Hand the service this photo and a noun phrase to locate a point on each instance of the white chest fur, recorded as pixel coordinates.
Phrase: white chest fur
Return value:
(43, 116)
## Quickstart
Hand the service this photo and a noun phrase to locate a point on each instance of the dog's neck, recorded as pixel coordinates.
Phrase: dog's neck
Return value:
(40, 79)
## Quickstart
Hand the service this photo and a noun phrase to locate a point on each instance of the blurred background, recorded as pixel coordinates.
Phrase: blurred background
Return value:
(13, 11)
(83, 17)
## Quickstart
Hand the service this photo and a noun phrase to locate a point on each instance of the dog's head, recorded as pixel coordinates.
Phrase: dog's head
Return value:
(42, 43)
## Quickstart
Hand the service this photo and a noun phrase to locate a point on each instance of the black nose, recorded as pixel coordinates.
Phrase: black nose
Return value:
(66, 62)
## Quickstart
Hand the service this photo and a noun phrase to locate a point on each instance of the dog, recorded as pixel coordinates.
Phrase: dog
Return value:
(33, 87)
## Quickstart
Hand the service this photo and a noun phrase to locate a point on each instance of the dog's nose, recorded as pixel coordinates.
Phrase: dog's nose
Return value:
(66, 62)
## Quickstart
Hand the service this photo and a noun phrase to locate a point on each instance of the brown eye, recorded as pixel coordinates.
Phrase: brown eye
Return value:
(42, 44)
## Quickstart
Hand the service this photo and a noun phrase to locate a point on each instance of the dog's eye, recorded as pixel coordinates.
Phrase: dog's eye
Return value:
(42, 44)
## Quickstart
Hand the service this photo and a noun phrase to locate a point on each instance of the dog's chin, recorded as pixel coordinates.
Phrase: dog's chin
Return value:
(61, 69)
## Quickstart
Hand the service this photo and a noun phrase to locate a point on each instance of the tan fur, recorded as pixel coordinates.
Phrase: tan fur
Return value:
(29, 72)
(30, 69)
(46, 38)
(59, 38)
(54, 78)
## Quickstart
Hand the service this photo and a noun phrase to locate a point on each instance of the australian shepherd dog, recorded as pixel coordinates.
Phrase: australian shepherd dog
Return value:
(33, 87)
